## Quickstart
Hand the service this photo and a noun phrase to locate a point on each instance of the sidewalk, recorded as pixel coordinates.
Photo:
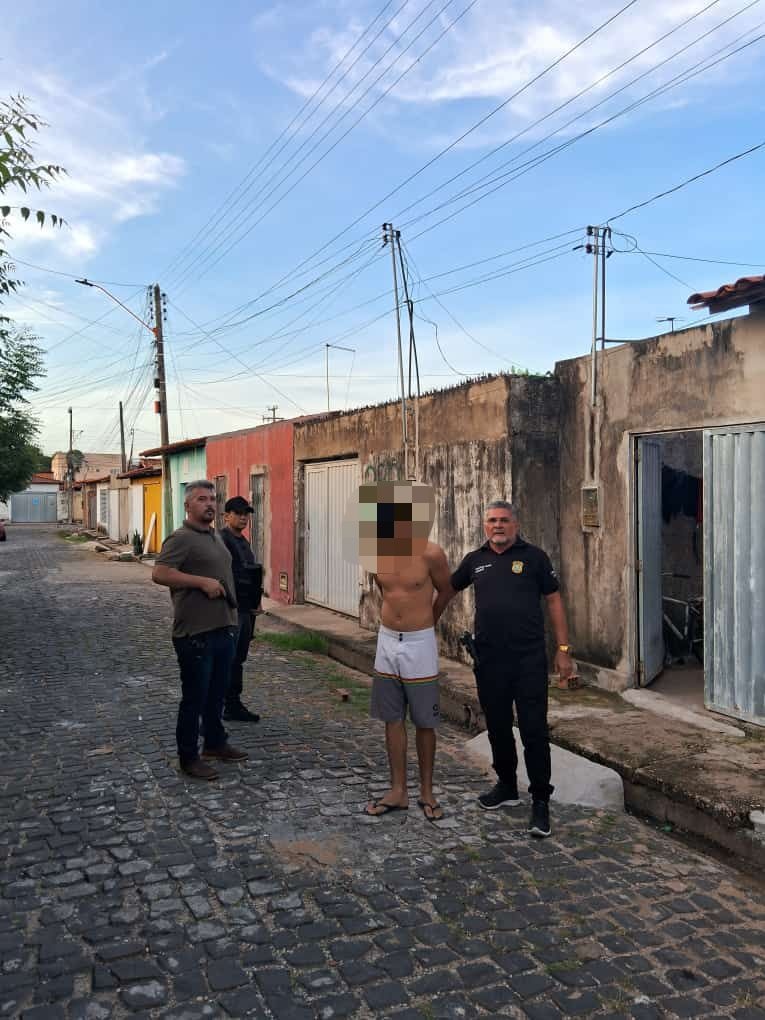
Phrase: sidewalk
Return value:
(674, 769)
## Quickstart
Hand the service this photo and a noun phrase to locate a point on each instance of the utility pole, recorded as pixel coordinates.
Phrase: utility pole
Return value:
(161, 407)
(122, 439)
(335, 347)
(70, 471)
(593, 248)
(273, 408)
(390, 236)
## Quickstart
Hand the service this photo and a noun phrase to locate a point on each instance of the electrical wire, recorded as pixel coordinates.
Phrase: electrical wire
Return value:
(689, 180)
(358, 120)
(243, 186)
(520, 170)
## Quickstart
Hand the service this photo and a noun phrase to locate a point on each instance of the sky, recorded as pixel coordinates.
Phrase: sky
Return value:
(244, 156)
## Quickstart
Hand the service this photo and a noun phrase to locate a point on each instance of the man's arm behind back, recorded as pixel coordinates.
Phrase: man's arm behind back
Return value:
(435, 557)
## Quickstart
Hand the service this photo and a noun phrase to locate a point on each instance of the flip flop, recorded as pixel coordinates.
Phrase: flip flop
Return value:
(387, 808)
(435, 806)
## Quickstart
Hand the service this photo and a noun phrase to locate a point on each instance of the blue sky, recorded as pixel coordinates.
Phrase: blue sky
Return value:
(164, 115)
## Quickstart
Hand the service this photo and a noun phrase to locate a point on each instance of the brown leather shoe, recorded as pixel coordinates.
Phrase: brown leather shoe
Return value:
(198, 770)
(225, 753)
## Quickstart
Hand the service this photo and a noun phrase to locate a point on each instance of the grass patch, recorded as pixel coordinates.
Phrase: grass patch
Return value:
(561, 965)
(71, 536)
(303, 641)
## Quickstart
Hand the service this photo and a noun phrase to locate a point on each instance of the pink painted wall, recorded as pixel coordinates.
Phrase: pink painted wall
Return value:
(267, 449)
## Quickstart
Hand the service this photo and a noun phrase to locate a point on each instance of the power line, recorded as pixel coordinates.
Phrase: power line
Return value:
(689, 180)
(520, 170)
(243, 185)
(231, 354)
(540, 120)
(358, 120)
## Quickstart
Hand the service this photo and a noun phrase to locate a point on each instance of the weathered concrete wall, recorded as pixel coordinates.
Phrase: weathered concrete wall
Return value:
(708, 376)
(185, 466)
(495, 438)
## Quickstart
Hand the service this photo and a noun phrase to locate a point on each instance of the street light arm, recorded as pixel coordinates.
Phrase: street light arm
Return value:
(88, 283)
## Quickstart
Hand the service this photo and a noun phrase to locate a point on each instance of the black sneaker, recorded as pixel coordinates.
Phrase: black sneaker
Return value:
(539, 824)
(239, 713)
(500, 795)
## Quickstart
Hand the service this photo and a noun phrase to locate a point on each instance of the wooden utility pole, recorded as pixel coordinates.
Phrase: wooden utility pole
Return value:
(122, 440)
(164, 434)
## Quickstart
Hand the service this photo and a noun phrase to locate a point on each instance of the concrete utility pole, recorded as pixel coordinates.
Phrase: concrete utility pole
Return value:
(122, 440)
(161, 407)
(390, 236)
(70, 471)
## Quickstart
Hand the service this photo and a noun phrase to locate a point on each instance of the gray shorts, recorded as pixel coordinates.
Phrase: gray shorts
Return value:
(406, 674)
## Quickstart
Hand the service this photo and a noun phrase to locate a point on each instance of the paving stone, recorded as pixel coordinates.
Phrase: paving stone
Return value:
(118, 862)
(385, 995)
(285, 1007)
(336, 1006)
(357, 972)
(244, 1002)
(149, 995)
(225, 974)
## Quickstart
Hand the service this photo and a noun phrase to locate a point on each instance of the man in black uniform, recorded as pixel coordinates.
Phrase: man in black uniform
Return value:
(510, 576)
(248, 582)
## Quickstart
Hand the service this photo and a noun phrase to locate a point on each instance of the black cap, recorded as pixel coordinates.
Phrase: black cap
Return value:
(238, 505)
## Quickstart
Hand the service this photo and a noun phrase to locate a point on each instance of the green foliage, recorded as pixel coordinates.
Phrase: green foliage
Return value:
(20, 366)
(19, 171)
(21, 357)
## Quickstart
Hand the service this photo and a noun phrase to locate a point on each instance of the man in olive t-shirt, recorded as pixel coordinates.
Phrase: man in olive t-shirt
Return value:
(196, 566)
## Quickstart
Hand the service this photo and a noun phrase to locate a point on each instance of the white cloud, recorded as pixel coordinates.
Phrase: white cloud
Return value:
(112, 175)
(496, 49)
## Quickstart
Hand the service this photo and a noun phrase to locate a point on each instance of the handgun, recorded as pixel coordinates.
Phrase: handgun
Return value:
(468, 642)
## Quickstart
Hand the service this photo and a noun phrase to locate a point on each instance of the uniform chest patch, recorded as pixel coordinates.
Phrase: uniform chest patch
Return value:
(517, 566)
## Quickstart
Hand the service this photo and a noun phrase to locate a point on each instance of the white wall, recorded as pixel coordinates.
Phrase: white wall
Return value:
(5, 511)
(136, 509)
(114, 529)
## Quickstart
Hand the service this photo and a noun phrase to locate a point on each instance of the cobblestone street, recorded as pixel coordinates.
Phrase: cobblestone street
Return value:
(128, 890)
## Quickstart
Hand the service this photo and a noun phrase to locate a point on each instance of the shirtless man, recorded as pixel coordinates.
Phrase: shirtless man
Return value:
(409, 570)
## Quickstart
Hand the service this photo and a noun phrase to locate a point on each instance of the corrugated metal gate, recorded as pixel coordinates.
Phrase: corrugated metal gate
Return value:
(329, 579)
(734, 571)
(33, 507)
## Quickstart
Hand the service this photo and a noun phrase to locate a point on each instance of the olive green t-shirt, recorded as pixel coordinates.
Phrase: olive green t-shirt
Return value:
(199, 551)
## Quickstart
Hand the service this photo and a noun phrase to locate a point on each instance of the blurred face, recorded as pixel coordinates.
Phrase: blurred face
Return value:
(236, 520)
(200, 506)
(501, 527)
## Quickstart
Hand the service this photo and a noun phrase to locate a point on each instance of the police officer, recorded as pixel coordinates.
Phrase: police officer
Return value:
(510, 577)
(248, 582)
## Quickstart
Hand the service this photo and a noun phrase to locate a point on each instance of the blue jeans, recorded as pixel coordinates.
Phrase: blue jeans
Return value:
(243, 639)
(205, 662)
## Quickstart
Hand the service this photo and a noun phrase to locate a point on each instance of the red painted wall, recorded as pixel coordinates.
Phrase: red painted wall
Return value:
(270, 447)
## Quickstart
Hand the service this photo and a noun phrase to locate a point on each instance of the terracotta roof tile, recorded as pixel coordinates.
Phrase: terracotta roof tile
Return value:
(745, 291)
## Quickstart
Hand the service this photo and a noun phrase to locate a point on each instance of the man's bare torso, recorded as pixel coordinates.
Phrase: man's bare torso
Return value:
(407, 589)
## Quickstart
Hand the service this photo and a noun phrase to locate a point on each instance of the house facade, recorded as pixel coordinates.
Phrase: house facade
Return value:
(481, 440)
(257, 463)
(662, 484)
(187, 462)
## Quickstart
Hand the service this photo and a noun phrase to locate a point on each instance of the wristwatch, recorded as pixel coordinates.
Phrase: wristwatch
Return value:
(564, 648)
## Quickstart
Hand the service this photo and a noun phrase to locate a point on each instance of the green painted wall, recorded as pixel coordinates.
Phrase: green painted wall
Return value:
(185, 466)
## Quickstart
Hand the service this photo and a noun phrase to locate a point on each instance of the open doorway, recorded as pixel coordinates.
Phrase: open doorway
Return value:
(671, 565)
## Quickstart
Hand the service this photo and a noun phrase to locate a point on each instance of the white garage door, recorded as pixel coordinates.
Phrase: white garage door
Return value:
(330, 580)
